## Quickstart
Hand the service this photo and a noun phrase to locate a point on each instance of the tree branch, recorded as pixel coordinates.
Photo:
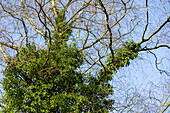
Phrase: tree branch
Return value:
(147, 17)
(35, 28)
(166, 107)
(3, 52)
(144, 40)
(10, 46)
(156, 47)
(101, 37)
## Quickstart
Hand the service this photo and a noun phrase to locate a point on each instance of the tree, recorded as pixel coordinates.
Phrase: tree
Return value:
(45, 80)
(99, 41)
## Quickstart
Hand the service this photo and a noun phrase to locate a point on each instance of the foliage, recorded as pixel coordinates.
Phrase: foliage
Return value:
(122, 56)
(51, 79)
(39, 80)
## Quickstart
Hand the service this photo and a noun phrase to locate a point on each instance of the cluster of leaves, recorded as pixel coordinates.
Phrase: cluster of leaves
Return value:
(39, 80)
(43, 76)
(122, 56)
(63, 31)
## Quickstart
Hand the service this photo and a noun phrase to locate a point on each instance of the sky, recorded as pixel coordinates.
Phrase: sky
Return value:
(142, 73)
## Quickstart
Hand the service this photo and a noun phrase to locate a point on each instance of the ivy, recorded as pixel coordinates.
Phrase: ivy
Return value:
(39, 80)
(122, 56)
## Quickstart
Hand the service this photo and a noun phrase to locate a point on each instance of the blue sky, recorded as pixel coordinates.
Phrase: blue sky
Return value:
(142, 73)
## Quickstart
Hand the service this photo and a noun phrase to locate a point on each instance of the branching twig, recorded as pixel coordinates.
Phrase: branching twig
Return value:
(166, 107)
(156, 47)
(156, 64)
(142, 41)
(147, 17)
(10, 46)
(101, 37)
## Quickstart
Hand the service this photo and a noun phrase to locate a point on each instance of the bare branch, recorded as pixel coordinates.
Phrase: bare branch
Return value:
(108, 26)
(81, 8)
(156, 47)
(10, 46)
(168, 20)
(156, 64)
(3, 52)
(147, 21)
(33, 25)
(101, 37)
(166, 107)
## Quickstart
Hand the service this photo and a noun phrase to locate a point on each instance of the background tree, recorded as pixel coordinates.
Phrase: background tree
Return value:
(101, 30)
